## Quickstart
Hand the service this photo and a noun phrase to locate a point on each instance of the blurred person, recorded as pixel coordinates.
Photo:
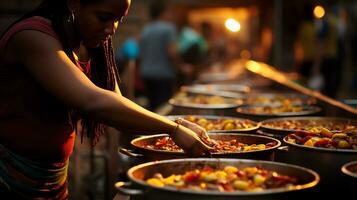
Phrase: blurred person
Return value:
(353, 48)
(129, 50)
(126, 58)
(207, 34)
(158, 55)
(342, 18)
(305, 47)
(192, 48)
(58, 78)
(219, 47)
(328, 61)
(263, 51)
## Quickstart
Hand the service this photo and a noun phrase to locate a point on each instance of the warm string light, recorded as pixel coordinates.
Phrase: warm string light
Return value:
(232, 25)
(319, 12)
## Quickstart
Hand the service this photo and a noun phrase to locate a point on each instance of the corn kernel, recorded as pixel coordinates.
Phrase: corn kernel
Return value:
(155, 182)
(230, 169)
(241, 185)
(259, 179)
(309, 143)
(343, 144)
(221, 174)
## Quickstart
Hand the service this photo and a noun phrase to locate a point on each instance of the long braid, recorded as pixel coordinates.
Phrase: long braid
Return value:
(113, 62)
(105, 77)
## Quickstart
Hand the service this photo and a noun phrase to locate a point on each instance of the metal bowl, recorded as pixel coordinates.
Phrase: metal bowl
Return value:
(307, 179)
(182, 105)
(276, 99)
(317, 121)
(142, 151)
(211, 88)
(215, 117)
(325, 161)
(245, 112)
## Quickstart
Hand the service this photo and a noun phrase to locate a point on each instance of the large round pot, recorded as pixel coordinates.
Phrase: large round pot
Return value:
(282, 126)
(147, 154)
(187, 105)
(224, 90)
(327, 162)
(253, 126)
(276, 99)
(236, 88)
(252, 112)
(307, 179)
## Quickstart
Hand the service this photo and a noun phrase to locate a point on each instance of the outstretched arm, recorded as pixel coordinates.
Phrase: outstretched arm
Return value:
(51, 67)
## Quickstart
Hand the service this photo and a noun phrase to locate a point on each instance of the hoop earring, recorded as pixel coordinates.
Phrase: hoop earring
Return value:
(71, 17)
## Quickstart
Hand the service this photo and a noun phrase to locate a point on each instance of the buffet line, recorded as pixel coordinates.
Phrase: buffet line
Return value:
(267, 144)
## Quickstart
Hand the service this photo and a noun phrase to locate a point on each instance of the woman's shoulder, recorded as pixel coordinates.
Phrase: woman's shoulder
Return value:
(36, 23)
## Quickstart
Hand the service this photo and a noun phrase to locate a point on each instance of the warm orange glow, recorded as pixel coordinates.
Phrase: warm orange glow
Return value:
(253, 66)
(245, 54)
(266, 71)
(271, 73)
(319, 12)
(232, 25)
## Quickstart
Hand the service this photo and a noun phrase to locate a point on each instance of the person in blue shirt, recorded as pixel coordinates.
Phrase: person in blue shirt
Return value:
(158, 55)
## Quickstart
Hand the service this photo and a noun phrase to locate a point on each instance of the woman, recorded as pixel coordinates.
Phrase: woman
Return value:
(56, 69)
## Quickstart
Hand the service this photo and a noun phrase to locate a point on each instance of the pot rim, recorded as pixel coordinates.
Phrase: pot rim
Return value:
(315, 118)
(217, 193)
(319, 148)
(215, 153)
(225, 94)
(274, 94)
(256, 124)
(174, 102)
(271, 95)
(218, 87)
(345, 169)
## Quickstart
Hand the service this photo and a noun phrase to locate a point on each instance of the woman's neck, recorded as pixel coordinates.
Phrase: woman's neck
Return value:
(82, 53)
(72, 35)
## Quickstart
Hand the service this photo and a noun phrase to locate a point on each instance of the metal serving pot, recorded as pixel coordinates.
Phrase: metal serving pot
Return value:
(264, 99)
(280, 133)
(327, 162)
(198, 88)
(243, 111)
(307, 179)
(212, 90)
(147, 154)
(254, 124)
(222, 109)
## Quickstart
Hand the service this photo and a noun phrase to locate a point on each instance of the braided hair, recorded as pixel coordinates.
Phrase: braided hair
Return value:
(103, 73)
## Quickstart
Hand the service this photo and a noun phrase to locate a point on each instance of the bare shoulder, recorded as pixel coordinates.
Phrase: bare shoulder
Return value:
(29, 44)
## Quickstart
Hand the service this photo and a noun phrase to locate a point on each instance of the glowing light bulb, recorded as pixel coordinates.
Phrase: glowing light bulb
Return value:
(319, 12)
(232, 25)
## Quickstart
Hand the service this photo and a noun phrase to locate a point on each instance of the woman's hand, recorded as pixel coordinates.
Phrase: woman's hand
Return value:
(200, 131)
(188, 136)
